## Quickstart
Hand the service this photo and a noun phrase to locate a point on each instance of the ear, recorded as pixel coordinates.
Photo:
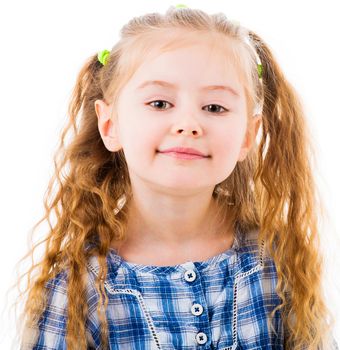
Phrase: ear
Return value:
(107, 127)
(250, 136)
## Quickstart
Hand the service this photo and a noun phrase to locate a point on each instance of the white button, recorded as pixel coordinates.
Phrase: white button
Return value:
(197, 309)
(201, 338)
(190, 275)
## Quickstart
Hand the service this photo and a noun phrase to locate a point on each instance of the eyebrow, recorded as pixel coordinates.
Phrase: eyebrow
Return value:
(174, 86)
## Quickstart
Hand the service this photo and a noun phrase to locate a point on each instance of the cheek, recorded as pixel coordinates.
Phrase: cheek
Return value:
(140, 139)
(228, 141)
(226, 151)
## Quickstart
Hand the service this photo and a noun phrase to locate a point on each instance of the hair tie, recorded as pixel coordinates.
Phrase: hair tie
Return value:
(181, 6)
(260, 70)
(103, 56)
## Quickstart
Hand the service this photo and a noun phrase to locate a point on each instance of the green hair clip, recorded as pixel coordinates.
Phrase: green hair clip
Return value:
(103, 56)
(181, 6)
(259, 70)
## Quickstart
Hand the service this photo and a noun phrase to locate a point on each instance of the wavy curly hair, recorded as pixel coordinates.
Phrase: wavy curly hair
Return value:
(272, 190)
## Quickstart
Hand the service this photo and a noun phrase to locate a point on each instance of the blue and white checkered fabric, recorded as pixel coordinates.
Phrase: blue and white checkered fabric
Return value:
(220, 303)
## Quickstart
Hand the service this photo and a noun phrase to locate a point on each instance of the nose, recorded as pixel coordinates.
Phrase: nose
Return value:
(187, 126)
(187, 132)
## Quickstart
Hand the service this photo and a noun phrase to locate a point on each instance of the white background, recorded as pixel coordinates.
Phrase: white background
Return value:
(45, 43)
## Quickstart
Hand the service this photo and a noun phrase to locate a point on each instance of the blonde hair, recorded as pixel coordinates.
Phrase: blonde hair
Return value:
(272, 189)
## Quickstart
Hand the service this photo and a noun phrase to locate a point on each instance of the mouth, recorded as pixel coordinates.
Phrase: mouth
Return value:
(183, 155)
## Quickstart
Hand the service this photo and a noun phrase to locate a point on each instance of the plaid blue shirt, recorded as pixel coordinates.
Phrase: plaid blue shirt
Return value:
(220, 303)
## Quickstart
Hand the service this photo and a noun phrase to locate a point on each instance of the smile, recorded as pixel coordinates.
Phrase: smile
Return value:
(182, 155)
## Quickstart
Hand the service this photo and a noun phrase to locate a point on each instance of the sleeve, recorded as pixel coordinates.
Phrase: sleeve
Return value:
(50, 333)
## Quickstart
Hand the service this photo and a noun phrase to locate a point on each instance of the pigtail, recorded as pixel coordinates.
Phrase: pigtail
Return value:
(286, 195)
(78, 207)
(86, 91)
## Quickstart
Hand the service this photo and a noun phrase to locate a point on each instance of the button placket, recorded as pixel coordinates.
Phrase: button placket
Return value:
(196, 309)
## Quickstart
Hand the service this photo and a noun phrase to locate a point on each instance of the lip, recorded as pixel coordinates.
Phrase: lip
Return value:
(184, 151)
(182, 155)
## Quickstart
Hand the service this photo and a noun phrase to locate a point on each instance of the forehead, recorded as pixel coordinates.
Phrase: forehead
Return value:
(200, 63)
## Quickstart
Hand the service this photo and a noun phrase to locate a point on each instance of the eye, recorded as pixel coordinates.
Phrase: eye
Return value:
(219, 108)
(161, 103)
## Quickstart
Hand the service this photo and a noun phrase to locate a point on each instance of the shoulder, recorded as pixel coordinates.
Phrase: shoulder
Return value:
(256, 272)
(250, 243)
(58, 283)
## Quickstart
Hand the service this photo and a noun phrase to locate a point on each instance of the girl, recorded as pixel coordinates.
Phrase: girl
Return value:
(175, 229)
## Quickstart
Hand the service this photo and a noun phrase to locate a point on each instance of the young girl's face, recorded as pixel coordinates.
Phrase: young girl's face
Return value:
(187, 114)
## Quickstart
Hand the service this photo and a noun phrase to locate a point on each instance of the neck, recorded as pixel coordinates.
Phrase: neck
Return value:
(175, 223)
